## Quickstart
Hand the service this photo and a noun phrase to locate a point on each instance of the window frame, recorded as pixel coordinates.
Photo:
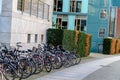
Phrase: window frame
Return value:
(28, 38)
(36, 38)
(103, 35)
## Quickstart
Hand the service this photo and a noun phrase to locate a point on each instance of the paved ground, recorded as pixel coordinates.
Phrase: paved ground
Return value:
(87, 66)
(109, 72)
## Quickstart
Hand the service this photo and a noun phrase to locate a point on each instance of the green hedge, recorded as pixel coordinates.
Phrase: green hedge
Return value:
(67, 39)
(81, 43)
(107, 45)
(90, 44)
(54, 36)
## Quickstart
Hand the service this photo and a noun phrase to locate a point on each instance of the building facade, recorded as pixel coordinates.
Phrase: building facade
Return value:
(70, 14)
(25, 21)
(103, 21)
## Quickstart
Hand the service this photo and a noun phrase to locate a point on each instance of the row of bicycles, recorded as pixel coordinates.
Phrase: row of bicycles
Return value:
(17, 64)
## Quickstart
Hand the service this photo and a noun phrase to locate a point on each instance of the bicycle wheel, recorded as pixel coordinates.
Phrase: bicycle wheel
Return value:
(26, 67)
(68, 61)
(39, 65)
(77, 58)
(10, 73)
(48, 65)
(57, 63)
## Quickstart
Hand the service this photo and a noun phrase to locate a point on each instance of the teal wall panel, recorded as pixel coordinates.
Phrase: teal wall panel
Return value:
(54, 21)
(94, 22)
(116, 3)
(84, 6)
(66, 5)
(71, 22)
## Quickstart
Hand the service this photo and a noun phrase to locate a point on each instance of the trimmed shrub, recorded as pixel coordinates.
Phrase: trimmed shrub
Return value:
(118, 46)
(54, 36)
(109, 45)
(88, 44)
(113, 46)
(68, 39)
(81, 44)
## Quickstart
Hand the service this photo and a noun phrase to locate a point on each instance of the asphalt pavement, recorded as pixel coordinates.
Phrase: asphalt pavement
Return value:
(108, 72)
(83, 71)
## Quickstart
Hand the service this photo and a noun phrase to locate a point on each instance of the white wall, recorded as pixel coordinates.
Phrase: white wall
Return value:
(18, 25)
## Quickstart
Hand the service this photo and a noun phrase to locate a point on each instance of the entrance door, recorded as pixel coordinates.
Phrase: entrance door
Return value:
(100, 48)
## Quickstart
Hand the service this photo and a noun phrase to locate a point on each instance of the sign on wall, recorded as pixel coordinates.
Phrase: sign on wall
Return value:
(116, 3)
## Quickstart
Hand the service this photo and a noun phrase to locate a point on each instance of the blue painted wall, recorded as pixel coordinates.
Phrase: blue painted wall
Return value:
(66, 5)
(71, 16)
(84, 6)
(71, 22)
(94, 22)
(54, 21)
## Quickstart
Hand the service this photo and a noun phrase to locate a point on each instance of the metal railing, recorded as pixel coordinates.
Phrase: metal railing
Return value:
(34, 7)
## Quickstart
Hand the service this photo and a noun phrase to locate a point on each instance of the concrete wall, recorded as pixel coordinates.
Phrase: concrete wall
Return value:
(5, 21)
(0, 6)
(20, 25)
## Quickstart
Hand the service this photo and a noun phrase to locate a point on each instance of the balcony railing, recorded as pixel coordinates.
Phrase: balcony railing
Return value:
(34, 7)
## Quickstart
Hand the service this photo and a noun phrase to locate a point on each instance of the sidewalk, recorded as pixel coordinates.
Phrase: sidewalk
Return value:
(88, 65)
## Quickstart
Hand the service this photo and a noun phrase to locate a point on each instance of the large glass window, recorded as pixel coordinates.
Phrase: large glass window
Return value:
(19, 6)
(78, 6)
(36, 38)
(34, 7)
(80, 24)
(103, 13)
(58, 5)
(112, 21)
(28, 38)
(62, 22)
(75, 6)
(102, 32)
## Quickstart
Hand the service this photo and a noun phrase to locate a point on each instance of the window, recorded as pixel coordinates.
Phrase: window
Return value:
(42, 38)
(28, 38)
(101, 32)
(112, 21)
(80, 24)
(78, 6)
(58, 5)
(34, 7)
(103, 13)
(59, 23)
(105, 3)
(83, 25)
(77, 24)
(19, 6)
(36, 38)
(62, 22)
(75, 6)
